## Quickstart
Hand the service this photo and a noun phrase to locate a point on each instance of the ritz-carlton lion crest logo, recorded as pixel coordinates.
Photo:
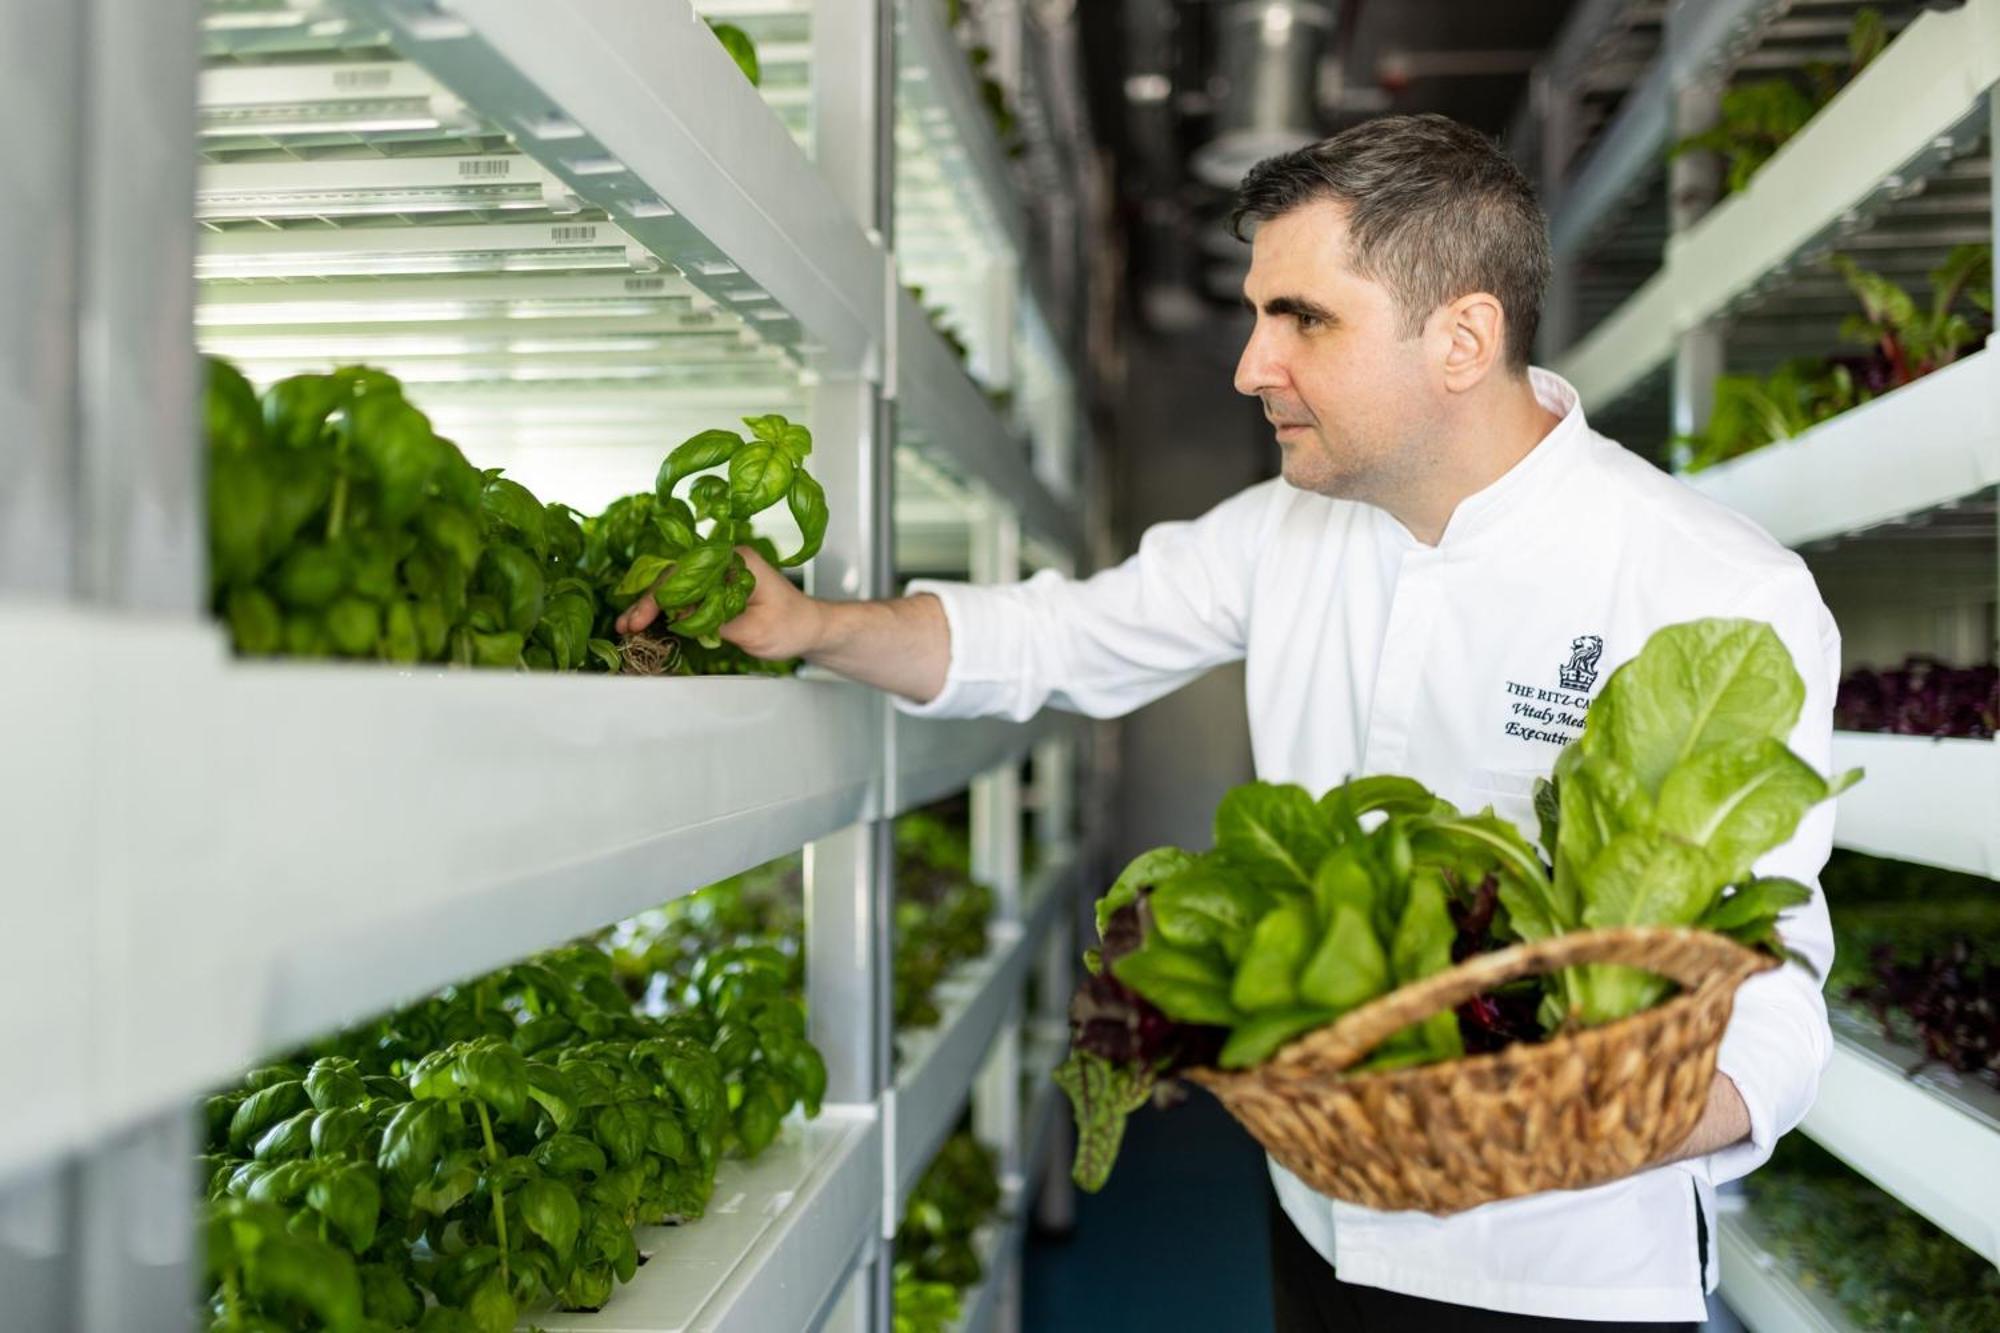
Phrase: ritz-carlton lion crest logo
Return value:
(1580, 672)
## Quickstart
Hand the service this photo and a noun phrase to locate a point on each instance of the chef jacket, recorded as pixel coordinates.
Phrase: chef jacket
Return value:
(1466, 665)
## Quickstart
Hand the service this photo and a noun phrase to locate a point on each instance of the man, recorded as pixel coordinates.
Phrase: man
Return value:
(1451, 566)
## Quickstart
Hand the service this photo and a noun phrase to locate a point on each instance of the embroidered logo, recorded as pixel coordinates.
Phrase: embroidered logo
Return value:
(1580, 672)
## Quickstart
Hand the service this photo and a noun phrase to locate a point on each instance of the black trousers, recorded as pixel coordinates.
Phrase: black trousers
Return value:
(1308, 1298)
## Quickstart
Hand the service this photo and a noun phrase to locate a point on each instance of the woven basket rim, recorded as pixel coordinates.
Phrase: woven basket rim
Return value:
(1518, 1054)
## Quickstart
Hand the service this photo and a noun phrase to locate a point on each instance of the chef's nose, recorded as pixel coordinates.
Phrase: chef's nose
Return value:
(1258, 369)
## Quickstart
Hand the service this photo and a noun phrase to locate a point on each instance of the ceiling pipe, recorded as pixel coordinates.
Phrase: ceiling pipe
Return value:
(1270, 58)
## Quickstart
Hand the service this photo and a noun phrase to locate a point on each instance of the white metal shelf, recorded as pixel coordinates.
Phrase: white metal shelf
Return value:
(946, 416)
(951, 155)
(979, 1306)
(932, 758)
(942, 1062)
(780, 1236)
(1933, 1141)
(1045, 1049)
(618, 111)
(960, 222)
(1925, 800)
(1002, 1242)
(1765, 1294)
(1927, 444)
(299, 846)
(1913, 111)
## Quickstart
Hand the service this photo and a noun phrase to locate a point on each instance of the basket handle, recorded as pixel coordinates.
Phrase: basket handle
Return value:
(1696, 959)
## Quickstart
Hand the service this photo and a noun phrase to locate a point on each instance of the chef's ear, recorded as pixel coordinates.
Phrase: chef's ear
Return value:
(1476, 330)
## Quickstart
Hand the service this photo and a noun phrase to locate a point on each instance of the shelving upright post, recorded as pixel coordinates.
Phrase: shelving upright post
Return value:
(850, 884)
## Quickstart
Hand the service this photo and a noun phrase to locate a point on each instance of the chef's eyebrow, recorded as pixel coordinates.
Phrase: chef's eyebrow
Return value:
(1298, 307)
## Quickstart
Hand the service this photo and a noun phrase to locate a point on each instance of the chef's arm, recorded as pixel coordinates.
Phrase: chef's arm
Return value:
(1724, 1123)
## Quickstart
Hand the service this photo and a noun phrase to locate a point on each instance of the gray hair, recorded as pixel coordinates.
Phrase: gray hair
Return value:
(1435, 210)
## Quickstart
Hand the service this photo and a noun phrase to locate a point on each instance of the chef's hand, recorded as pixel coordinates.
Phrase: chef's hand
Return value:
(779, 622)
(902, 645)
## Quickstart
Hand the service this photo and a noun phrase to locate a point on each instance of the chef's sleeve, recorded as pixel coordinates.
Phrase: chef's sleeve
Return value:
(1109, 643)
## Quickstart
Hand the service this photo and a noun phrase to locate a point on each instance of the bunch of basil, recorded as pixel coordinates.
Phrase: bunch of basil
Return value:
(1655, 815)
(341, 524)
(654, 545)
(488, 1150)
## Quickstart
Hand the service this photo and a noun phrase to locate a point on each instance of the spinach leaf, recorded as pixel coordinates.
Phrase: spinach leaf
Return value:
(1274, 833)
(1267, 978)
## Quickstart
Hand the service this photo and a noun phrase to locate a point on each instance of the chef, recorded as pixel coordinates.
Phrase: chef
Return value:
(1450, 567)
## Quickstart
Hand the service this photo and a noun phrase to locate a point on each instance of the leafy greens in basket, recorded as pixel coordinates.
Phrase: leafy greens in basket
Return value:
(1306, 909)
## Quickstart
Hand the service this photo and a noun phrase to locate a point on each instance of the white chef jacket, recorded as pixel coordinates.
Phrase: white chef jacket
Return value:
(1467, 666)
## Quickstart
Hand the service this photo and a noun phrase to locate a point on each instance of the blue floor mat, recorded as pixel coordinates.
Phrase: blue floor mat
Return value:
(1176, 1242)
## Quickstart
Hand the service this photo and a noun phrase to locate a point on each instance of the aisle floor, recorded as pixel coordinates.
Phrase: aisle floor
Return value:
(1176, 1243)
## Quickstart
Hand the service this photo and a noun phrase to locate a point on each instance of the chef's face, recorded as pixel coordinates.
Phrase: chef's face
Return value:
(1352, 399)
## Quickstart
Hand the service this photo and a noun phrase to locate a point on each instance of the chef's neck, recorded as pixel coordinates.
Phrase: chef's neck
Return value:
(1482, 436)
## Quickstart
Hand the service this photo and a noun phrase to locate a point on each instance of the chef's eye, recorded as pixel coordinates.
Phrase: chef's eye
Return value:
(1309, 323)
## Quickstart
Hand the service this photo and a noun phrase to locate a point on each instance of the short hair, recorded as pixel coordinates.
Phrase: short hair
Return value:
(1435, 210)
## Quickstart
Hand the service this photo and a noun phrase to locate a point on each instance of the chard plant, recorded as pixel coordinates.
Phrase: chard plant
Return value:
(1759, 117)
(1904, 341)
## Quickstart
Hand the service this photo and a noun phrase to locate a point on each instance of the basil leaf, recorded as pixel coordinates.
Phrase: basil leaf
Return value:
(552, 1213)
(711, 448)
(349, 1198)
(807, 502)
(759, 476)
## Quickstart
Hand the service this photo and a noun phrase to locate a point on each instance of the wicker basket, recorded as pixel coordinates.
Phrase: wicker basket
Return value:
(1574, 1111)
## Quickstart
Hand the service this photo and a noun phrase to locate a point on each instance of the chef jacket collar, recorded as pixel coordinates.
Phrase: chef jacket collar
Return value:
(1536, 476)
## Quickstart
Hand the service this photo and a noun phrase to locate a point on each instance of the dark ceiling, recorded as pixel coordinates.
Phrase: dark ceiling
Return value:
(1468, 59)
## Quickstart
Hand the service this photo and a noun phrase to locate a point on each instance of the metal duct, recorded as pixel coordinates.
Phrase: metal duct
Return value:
(1270, 55)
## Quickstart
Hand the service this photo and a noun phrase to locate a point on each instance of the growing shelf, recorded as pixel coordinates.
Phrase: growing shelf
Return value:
(1932, 1140)
(782, 32)
(1861, 167)
(947, 417)
(1000, 1242)
(1927, 444)
(942, 1062)
(1045, 1048)
(301, 846)
(1765, 1294)
(1925, 800)
(652, 150)
(779, 1239)
(998, 1253)
(933, 758)
(960, 225)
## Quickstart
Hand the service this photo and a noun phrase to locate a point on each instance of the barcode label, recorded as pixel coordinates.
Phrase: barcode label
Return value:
(645, 284)
(350, 80)
(474, 168)
(571, 234)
